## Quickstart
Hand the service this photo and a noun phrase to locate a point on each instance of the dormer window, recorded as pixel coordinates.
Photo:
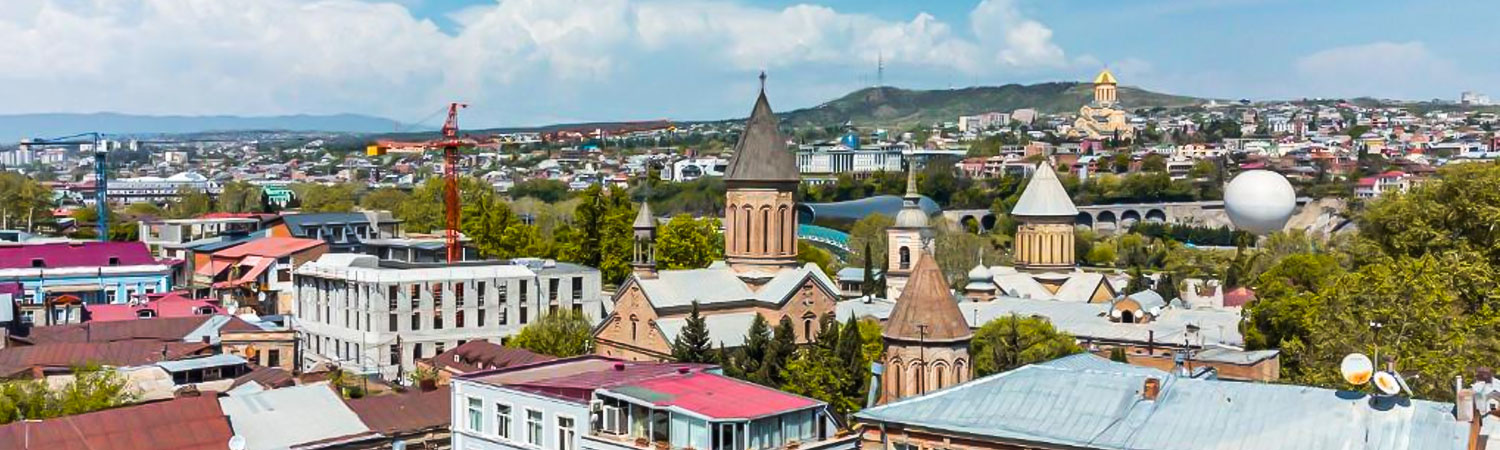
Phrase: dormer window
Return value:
(145, 314)
(114, 260)
(204, 311)
(38, 262)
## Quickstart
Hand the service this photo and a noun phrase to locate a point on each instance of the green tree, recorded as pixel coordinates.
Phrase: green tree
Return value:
(1154, 162)
(1166, 285)
(809, 253)
(240, 197)
(144, 209)
(867, 286)
(91, 389)
(1118, 355)
(778, 353)
(23, 201)
(691, 345)
(603, 233)
(815, 372)
(383, 199)
(752, 356)
(1010, 342)
(869, 234)
(1138, 281)
(688, 243)
(190, 203)
(550, 191)
(562, 333)
(325, 198)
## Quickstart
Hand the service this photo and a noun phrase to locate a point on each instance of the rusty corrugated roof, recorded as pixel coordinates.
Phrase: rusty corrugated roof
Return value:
(485, 355)
(404, 413)
(926, 310)
(192, 423)
(158, 329)
(116, 354)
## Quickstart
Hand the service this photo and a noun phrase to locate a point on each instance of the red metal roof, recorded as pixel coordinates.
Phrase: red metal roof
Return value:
(485, 355)
(715, 396)
(1239, 296)
(172, 329)
(118, 354)
(275, 247)
(404, 413)
(75, 254)
(170, 306)
(192, 423)
(575, 379)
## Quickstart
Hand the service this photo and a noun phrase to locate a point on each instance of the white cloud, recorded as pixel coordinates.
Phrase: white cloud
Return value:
(535, 58)
(1383, 69)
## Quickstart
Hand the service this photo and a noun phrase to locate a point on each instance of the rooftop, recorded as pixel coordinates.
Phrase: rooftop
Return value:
(712, 396)
(1099, 405)
(279, 418)
(176, 329)
(575, 379)
(1044, 196)
(274, 247)
(191, 423)
(76, 254)
(761, 153)
(404, 413)
(484, 355)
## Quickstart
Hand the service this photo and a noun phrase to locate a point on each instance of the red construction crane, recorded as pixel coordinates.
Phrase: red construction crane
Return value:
(450, 144)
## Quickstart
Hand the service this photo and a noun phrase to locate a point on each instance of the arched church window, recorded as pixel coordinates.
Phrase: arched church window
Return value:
(634, 326)
(905, 257)
(765, 228)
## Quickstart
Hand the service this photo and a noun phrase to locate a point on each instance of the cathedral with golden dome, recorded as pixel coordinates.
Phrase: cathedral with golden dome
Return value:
(1102, 119)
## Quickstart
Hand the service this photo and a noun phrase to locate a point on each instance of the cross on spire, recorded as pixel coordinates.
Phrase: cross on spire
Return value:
(763, 81)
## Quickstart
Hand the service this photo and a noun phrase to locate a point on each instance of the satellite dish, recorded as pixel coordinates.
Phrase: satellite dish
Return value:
(1357, 369)
(237, 442)
(1387, 383)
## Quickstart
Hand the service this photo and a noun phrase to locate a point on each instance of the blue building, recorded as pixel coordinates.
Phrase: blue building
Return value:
(63, 276)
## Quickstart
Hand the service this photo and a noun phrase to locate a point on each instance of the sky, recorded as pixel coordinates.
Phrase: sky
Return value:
(533, 62)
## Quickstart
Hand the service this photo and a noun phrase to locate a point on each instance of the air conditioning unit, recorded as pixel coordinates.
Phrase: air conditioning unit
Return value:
(614, 421)
(594, 405)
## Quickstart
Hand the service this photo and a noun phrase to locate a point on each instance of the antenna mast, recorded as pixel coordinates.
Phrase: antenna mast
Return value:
(880, 70)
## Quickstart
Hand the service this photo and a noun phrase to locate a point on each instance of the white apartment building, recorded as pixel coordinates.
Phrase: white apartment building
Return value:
(379, 317)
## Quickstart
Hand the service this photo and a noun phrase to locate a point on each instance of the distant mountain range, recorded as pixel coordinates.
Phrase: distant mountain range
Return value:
(885, 106)
(888, 106)
(13, 128)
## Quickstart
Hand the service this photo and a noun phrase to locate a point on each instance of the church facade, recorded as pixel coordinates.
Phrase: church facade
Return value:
(758, 277)
(1103, 119)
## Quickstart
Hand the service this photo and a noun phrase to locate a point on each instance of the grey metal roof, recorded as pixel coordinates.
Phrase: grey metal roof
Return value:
(859, 308)
(727, 329)
(1090, 361)
(1052, 406)
(720, 284)
(1044, 196)
(283, 418)
(643, 217)
(220, 360)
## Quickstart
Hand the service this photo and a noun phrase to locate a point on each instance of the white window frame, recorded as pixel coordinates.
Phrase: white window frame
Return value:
(475, 415)
(570, 430)
(536, 434)
(504, 427)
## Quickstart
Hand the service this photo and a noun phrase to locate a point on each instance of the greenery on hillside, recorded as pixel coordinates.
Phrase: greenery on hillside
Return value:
(902, 107)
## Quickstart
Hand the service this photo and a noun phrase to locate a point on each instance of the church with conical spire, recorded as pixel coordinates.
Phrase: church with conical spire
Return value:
(759, 275)
(926, 337)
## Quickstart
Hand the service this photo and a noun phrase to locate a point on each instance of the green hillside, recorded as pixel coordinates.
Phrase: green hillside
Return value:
(902, 107)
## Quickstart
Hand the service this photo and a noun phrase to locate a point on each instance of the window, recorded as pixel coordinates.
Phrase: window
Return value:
(416, 321)
(395, 355)
(479, 320)
(38, 262)
(504, 320)
(458, 319)
(114, 260)
(437, 319)
(273, 358)
(504, 292)
(438, 348)
(416, 352)
(552, 289)
(905, 258)
(391, 292)
(479, 292)
(534, 427)
(458, 294)
(416, 295)
(476, 414)
(392, 322)
(502, 420)
(577, 289)
(565, 433)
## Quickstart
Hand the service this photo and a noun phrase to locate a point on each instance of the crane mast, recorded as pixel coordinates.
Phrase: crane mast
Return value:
(450, 145)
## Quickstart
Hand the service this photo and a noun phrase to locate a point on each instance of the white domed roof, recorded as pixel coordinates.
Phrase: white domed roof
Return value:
(911, 218)
(1259, 201)
(980, 273)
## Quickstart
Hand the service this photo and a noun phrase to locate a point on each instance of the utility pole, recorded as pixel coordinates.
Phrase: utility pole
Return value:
(922, 359)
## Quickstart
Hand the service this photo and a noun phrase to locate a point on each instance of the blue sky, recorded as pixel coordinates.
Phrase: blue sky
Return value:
(526, 62)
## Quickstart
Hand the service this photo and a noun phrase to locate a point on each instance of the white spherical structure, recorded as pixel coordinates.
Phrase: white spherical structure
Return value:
(1259, 201)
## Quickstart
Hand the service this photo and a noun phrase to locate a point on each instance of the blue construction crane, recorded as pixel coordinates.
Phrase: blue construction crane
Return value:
(101, 172)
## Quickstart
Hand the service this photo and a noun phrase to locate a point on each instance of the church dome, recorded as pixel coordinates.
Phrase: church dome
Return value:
(911, 218)
(980, 273)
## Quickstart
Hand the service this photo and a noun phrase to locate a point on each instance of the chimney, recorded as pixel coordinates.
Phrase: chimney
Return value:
(1152, 389)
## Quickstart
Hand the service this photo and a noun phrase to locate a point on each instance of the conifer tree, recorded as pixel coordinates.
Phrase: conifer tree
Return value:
(752, 355)
(691, 345)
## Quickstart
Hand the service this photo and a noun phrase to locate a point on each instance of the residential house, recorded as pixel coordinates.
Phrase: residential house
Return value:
(343, 231)
(599, 403)
(257, 275)
(78, 273)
